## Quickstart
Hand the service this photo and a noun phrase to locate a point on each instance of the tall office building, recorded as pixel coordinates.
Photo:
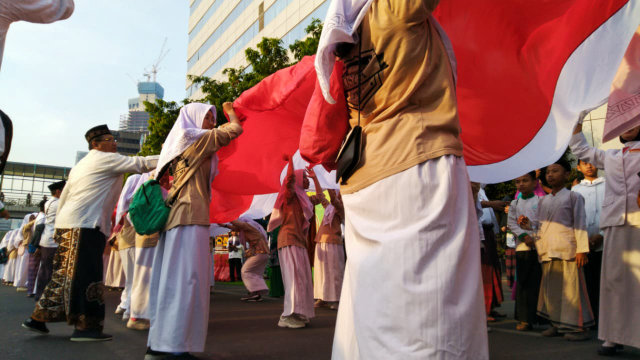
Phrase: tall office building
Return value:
(137, 119)
(134, 126)
(220, 31)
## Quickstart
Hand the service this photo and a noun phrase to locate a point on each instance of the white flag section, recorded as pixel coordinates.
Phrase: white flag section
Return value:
(262, 205)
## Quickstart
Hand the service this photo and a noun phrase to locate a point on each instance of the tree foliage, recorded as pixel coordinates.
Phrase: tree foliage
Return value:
(162, 116)
(269, 57)
(308, 45)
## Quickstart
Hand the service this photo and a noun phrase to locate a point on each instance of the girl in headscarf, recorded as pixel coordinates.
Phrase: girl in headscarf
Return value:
(256, 256)
(179, 292)
(292, 212)
(328, 263)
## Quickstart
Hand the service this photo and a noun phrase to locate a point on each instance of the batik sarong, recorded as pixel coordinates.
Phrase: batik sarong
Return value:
(75, 292)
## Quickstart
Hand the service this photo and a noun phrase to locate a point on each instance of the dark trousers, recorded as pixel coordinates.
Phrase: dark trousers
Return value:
(235, 265)
(32, 274)
(528, 276)
(592, 273)
(46, 269)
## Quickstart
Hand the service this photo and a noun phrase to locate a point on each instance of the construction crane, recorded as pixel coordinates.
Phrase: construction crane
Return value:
(153, 72)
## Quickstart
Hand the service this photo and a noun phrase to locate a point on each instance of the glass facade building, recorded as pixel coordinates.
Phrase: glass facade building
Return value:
(220, 31)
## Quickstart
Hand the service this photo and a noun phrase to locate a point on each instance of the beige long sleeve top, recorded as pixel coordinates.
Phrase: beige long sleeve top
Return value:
(191, 206)
(563, 226)
(408, 107)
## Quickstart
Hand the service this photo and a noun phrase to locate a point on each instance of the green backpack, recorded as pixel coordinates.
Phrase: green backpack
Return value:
(148, 210)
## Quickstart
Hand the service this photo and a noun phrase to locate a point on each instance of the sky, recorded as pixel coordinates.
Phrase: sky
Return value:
(58, 80)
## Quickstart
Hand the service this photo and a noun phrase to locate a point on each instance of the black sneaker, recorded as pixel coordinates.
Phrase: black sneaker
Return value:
(156, 355)
(183, 356)
(89, 335)
(35, 326)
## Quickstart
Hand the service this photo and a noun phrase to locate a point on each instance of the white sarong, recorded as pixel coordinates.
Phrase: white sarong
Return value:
(22, 270)
(620, 286)
(328, 271)
(141, 282)
(296, 277)
(127, 258)
(179, 292)
(412, 286)
(253, 273)
(9, 270)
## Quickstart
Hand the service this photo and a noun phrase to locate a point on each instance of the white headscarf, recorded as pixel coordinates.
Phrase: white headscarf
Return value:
(126, 195)
(186, 131)
(340, 25)
(343, 19)
(303, 199)
(254, 224)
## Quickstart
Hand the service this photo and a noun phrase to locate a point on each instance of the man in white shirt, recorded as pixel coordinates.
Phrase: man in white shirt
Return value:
(236, 250)
(47, 244)
(83, 222)
(592, 189)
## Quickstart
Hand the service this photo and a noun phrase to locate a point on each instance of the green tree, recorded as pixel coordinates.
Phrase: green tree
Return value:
(162, 116)
(309, 45)
(269, 57)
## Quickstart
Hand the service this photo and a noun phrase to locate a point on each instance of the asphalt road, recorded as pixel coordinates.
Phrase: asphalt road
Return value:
(239, 330)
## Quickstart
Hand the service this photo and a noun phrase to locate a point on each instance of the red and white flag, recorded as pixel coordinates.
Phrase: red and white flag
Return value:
(526, 71)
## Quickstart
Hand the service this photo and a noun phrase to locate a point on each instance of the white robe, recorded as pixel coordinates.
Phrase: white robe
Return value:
(412, 287)
(127, 258)
(593, 194)
(10, 267)
(179, 292)
(141, 282)
(619, 320)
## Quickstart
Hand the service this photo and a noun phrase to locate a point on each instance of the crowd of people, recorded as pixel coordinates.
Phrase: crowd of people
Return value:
(423, 275)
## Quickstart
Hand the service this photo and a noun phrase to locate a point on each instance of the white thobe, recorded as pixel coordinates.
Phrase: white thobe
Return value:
(93, 187)
(593, 194)
(563, 226)
(50, 210)
(620, 220)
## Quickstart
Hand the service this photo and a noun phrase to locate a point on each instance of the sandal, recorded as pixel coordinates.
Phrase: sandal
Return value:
(523, 326)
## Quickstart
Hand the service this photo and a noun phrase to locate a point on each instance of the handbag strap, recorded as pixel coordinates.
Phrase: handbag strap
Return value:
(175, 190)
(359, 72)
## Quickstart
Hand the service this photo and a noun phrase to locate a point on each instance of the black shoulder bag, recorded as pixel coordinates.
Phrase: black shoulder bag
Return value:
(350, 153)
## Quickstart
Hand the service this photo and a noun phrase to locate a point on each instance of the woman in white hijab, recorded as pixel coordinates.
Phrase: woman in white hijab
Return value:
(179, 292)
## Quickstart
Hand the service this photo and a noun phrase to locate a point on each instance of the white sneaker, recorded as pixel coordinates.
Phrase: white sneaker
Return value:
(302, 318)
(119, 310)
(290, 322)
